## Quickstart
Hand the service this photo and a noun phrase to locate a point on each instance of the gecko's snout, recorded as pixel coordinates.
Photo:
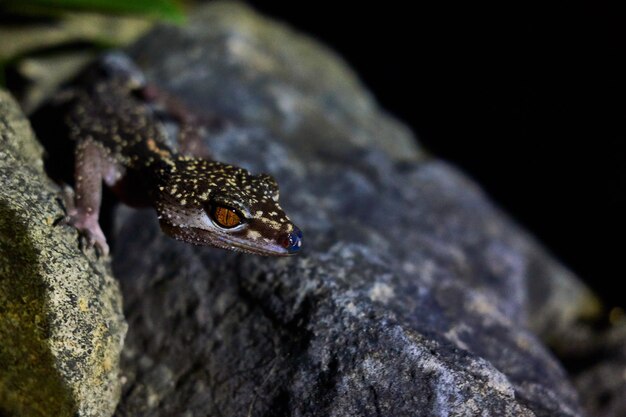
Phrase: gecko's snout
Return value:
(292, 242)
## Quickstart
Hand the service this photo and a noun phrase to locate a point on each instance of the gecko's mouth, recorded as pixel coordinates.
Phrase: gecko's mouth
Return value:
(201, 237)
(289, 244)
(285, 243)
(266, 249)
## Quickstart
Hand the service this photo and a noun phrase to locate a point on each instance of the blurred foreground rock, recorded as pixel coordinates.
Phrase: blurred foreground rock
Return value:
(61, 323)
(414, 295)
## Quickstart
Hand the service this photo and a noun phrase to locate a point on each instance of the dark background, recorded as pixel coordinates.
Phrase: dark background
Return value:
(528, 102)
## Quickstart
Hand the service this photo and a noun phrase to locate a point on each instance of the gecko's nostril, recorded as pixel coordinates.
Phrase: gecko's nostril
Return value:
(292, 241)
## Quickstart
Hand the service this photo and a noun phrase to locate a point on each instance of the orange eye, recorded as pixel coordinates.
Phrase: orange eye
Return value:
(226, 217)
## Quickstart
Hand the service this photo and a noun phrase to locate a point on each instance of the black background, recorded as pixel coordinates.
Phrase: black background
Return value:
(529, 102)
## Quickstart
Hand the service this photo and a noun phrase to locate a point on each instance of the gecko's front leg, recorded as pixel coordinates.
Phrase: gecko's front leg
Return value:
(92, 167)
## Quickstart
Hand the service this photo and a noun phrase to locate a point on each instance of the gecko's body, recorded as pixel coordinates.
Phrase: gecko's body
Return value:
(117, 124)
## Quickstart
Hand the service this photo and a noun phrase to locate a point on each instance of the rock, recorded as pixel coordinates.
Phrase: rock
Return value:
(598, 368)
(61, 323)
(414, 294)
(557, 301)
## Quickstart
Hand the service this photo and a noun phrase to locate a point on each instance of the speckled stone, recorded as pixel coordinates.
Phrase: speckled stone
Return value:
(61, 323)
(414, 295)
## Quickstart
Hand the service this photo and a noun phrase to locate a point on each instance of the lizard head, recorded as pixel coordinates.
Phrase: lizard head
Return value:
(214, 204)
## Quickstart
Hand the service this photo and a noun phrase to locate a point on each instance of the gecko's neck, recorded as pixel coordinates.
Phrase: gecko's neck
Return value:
(158, 158)
(175, 173)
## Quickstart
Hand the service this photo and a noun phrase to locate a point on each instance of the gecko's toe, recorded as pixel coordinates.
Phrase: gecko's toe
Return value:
(95, 239)
(89, 229)
(102, 247)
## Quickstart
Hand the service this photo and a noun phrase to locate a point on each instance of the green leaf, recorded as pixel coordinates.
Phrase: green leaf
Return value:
(160, 9)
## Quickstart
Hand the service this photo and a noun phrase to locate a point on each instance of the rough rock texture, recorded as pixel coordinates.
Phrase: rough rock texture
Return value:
(413, 295)
(61, 323)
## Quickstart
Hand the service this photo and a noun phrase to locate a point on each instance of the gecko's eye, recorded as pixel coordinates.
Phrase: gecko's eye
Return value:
(226, 217)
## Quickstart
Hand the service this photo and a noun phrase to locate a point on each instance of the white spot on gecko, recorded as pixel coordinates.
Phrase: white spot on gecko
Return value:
(253, 234)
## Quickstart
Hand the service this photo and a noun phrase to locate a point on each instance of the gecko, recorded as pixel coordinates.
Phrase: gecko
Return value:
(116, 120)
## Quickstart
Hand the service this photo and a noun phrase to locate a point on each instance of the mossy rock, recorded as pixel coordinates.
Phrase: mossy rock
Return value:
(61, 322)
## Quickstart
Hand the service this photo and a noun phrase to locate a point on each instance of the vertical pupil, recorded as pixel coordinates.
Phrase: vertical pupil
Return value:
(226, 217)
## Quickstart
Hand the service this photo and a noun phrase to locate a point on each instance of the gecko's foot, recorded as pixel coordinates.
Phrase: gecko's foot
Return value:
(85, 222)
(89, 228)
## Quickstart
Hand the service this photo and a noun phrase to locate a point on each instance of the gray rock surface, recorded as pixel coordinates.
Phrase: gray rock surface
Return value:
(61, 323)
(414, 295)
